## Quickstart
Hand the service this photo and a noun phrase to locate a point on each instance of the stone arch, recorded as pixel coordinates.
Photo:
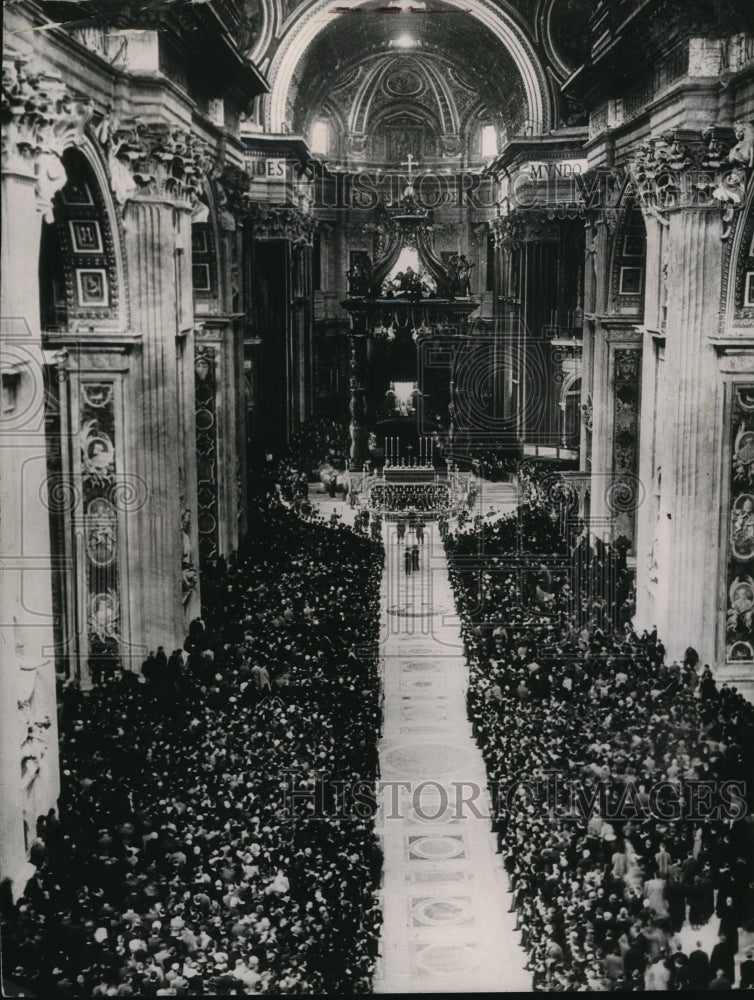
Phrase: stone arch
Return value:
(628, 258)
(436, 85)
(205, 269)
(501, 23)
(84, 227)
(738, 276)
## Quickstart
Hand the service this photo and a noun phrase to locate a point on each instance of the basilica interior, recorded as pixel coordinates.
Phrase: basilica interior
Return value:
(377, 393)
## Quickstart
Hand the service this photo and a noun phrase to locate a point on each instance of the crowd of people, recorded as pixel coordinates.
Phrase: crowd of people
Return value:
(596, 750)
(197, 849)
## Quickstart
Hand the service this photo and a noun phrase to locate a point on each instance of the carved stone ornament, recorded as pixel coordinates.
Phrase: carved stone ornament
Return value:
(32, 707)
(153, 161)
(40, 119)
(684, 169)
(189, 576)
(357, 143)
(232, 187)
(587, 413)
(278, 222)
(524, 226)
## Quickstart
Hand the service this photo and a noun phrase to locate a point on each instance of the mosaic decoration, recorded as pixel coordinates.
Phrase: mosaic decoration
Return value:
(100, 492)
(409, 610)
(428, 878)
(628, 263)
(423, 711)
(739, 614)
(423, 686)
(88, 245)
(442, 911)
(431, 812)
(744, 287)
(427, 758)
(446, 959)
(206, 450)
(448, 847)
(623, 498)
(203, 261)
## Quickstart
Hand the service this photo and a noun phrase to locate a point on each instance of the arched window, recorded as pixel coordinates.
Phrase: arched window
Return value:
(489, 141)
(320, 138)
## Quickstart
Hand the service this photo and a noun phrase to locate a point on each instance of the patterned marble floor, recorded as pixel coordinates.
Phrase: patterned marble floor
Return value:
(447, 927)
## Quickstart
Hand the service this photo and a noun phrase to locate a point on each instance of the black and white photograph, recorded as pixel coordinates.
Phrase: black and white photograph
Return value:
(376, 497)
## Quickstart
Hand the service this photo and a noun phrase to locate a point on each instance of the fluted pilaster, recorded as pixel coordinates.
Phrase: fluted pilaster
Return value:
(690, 437)
(156, 233)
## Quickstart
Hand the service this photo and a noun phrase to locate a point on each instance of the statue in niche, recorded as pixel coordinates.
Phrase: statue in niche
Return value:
(743, 457)
(743, 152)
(742, 527)
(101, 531)
(188, 571)
(741, 609)
(459, 272)
(104, 615)
(250, 26)
(359, 275)
(573, 112)
(97, 453)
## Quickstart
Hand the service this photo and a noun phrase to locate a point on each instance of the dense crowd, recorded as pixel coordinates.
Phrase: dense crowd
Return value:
(319, 441)
(197, 849)
(593, 744)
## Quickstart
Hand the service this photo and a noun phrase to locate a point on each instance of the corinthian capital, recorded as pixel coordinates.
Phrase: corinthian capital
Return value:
(40, 119)
(155, 162)
(232, 189)
(281, 222)
(698, 170)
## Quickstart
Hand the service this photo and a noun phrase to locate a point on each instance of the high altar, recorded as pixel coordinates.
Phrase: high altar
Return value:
(405, 307)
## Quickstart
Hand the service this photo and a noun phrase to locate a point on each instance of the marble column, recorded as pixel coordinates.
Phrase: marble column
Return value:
(690, 435)
(650, 529)
(157, 173)
(32, 172)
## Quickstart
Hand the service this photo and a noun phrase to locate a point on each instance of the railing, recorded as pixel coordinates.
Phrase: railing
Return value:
(429, 497)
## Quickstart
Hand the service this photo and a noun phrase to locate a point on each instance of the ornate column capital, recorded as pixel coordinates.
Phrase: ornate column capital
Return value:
(529, 225)
(281, 222)
(232, 185)
(688, 169)
(40, 119)
(154, 162)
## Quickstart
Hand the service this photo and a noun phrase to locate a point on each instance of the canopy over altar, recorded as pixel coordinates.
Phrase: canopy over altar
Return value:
(404, 300)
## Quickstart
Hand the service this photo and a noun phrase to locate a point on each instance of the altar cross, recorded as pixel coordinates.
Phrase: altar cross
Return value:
(409, 162)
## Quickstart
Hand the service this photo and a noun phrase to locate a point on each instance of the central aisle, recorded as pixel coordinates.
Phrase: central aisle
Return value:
(445, 902)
